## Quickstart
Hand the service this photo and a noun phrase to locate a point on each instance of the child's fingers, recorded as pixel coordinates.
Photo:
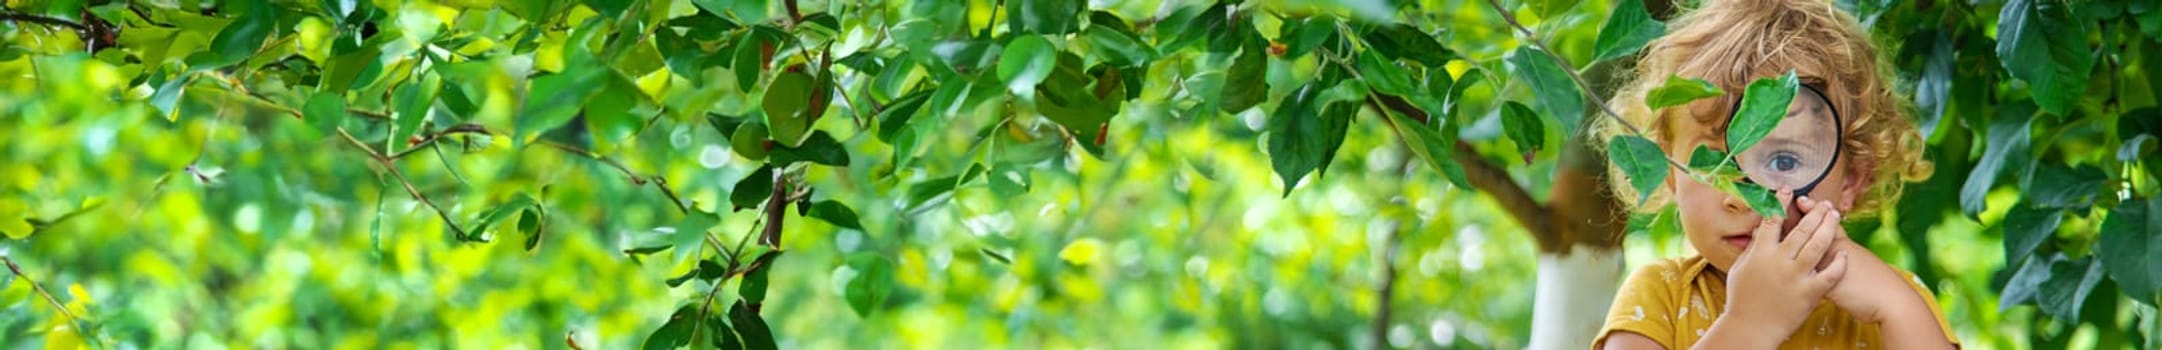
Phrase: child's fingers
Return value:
(1803, 232)
(1766, 235)
(1826, 232)
(1834, 272)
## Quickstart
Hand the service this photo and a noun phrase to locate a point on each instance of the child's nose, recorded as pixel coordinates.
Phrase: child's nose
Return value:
(1735, 204)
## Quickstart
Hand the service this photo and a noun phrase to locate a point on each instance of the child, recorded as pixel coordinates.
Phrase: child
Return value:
(1756, 283)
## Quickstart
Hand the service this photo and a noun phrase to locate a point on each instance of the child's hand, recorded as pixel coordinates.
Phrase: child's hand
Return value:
(1859, 293)
(1775, 283)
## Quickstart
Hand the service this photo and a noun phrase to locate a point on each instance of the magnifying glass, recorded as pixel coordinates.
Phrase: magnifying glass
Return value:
(1799, 152)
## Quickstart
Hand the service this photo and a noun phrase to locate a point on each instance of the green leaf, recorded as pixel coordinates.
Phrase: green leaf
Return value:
(724, 337)
(1641, 161)
(1933, 91)
(752, 191)
(1385, 75)
(756, 335)
(2045, 45)
(2026, 227)
(1025, 63)
(836, 213)
(517, 204)
(897, 115)
(786, 102)
(690, 232)
(1246, 82)
(873, 281)
(676, 332)
(749, 63)
(2055, 185)
(1300, 38)
(608, 113)
(1524, 127)
(1043, 16)
(1764, 105)
(1550, 8)
(1081, 101)
(1300, 135)
(325, 112)
(1677, 91)
(2131, 248)
(531, 223)
(1762, 199)
(1626, 31)
(1437, 147)
(1117, 47)
(2007, 149)
(706, 270)
(239, 39)
(753, 286)
(819, 148)
(1557, 93)
(413, 104)
(2069, 284)
(1405, 41)
(1009, 180)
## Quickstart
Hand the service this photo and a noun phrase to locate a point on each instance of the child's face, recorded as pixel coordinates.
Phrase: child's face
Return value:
(1718, 225)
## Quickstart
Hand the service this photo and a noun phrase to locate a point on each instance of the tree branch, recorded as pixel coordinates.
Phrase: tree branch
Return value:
(776, 210)
(18, 270)
(30, 18)
(1388, 284)
(1487, 177)
(1581, 83)
(392, 167)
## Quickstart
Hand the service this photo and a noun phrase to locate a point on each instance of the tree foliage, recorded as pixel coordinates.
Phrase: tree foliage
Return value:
(538, 119)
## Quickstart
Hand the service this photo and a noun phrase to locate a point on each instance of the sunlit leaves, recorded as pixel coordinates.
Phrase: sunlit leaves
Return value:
(872, 283)
(1626, 31)
(1043, 16)
(1641, 162)
(2058, 284)
(786, 105)
(1764, 105)
(239, 39)
(1557, 93)
(690, 230)
(325, 112)
(413, 102)
(1026, 61)
(2131, 248)
(2044, 44)
(517, 204)
(1082, 101)
(1385, 75)
(1678, 90)
(1436, 147)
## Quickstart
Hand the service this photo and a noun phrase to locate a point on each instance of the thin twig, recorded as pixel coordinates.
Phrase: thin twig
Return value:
(1581, 83)
(657, 180)
(18, 270)
(1388, 282)
(392, 168)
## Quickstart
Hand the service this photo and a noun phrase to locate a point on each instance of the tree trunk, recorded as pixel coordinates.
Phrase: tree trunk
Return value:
(1575, 289)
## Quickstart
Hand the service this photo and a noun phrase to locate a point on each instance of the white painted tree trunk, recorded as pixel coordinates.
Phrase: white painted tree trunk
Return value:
(1573, 295)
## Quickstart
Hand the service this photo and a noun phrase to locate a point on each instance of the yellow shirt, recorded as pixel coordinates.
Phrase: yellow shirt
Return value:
(1673, 302)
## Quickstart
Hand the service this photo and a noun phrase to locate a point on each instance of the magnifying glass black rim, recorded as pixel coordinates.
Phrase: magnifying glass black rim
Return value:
(1839, 144)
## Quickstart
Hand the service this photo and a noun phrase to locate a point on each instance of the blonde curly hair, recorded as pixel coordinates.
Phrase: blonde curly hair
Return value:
(1731, 43)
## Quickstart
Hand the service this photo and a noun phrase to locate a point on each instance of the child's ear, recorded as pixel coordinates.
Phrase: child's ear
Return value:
(1858, 181)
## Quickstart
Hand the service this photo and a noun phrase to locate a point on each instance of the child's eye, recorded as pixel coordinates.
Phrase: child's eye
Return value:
(1784, 162)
